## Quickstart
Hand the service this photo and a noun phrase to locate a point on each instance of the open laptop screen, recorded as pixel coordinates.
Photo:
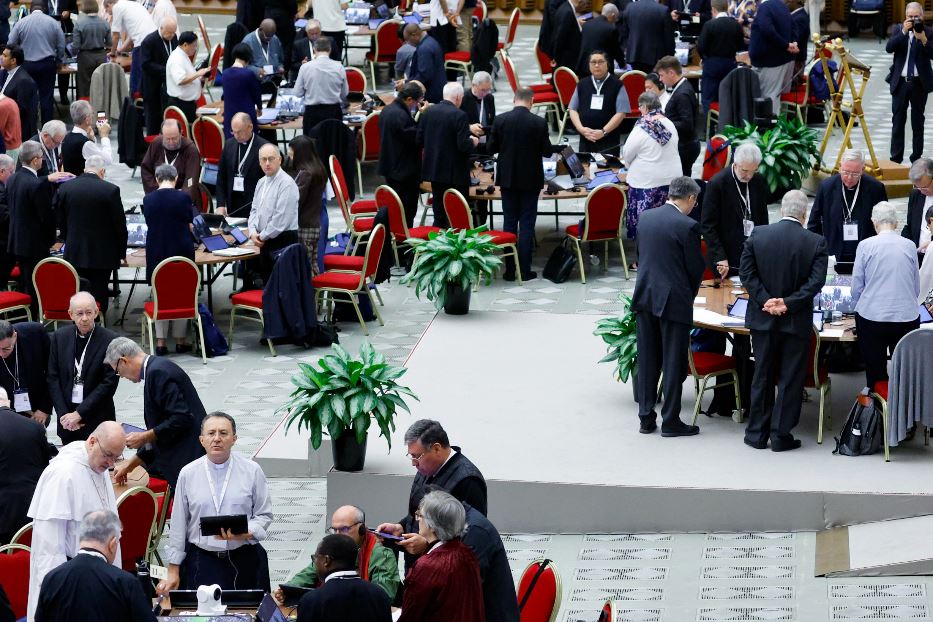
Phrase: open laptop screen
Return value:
(572, 160)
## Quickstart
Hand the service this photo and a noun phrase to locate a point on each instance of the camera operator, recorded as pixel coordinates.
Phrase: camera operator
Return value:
(911, 79)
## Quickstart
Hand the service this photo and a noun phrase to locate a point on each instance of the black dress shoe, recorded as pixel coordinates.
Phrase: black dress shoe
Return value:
(508, 276)
(161, 350)
(182, 348)
(785, 444)
(681, 430)
(756, 444)
(529, 276)
(647, 426)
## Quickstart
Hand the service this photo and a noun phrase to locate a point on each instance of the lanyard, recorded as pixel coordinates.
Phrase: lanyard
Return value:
(53, 6)
(210, 482)
(261, 49)
(172, 163)
(53, 161)
(239, 168)
(482, 109)
(79, 364)
(598, 88)
(746, 200)
(850, 208)
(15, 376)
(168, 47)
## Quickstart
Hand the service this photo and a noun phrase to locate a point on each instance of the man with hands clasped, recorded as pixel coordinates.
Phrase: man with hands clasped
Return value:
(910, 78)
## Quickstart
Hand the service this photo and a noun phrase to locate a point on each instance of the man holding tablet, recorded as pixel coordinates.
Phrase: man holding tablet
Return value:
(220, 484)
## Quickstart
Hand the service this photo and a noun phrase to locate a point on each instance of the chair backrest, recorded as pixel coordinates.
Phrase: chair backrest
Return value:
(356, 80)
(721, 150)
(209, 138)
(207, 201)
(216, 57)
(14, 577)
(480, 11)
(368, 146)
(543, 603)
(908, 362)
(565, 83)
(398, 225)
(513, 28)
(175, 285)
(386, 41)
(708, 273)
(55, 281)
(509, 69)
(605, 212)
(174, 112)
(23, 535)
(608, 612)
(338, 185)
(204, 37)
(457, 210)
(634, 83)
(138, 509)
(377, 238)
(545, 65)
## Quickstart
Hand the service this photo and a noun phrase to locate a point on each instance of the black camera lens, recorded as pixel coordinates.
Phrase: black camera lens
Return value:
(918, 24)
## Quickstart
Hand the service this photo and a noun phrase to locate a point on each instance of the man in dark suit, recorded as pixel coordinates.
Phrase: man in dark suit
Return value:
(479, 104)
(24, 350)
(648, 30)
(172, 410)
(783, 267)
(94, 227)
(444, 134)
(399, 158)
(681, 108)
(567, 36)
(16, 83)
(546, 30)
(600, 33)
(701, 9)
(239, 170)
(7, 261)
(842, 208)
(720, 40)
(50, 138)
(910, 78)
(427, 63)
(521, 139)
(670, 268)
(920, 199)
(303, 47)
(24, 454)
(89, 586)
(801, 23)
(498, 589)
(344, 595)
(153, 55)
(80, 385)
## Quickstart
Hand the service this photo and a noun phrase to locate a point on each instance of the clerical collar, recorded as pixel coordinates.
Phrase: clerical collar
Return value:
(221, 466)
(342, 574)
(92, 552)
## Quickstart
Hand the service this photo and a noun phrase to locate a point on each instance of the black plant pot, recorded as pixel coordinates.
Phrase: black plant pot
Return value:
(348, 454)
(458, 299)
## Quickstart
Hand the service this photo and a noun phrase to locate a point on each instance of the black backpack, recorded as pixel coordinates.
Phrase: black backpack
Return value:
(862, 433)
(560, 264)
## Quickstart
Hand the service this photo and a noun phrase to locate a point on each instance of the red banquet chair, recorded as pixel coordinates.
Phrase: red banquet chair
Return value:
(545, 63)
(208, 136)
(634, 84)
(138, 509)
(359, 214)
(603, 222)
(398, 224)
(712, 113)
(460, 217)
(545, 97)
(174, 112)
(23, 535)
(541, 602)
(250, 302)
(385, 46)
(460, 62)
(352, 284)
(356, 80)
(608, 613)
(480, 11)
(176, 282)
(14, 577)
(510, 33)
(55, 282)
(705, 365)
(565, 83)
(11, 302)
(216, 56)
(717, 157)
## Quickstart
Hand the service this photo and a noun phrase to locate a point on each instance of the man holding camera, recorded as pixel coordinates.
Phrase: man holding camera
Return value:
(911, 79)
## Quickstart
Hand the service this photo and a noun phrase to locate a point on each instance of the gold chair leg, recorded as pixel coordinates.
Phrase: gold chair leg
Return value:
(624, 259)
(372, 303)
(576, 247)
(230, 332)
(819, 430)
(884, 420)
(359, 314)
(262, 319)
(201, 336)
(696, 405)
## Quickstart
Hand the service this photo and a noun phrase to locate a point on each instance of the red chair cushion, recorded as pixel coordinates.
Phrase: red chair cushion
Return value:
(164, 314)
(499, 45)
(343, 262)
(14, 576)
(55, 314)
(363, 206)
(363, 224)
(540, 88)
(502, 237)
(793, 97)
(574, 230)
(336, 280)
(14, 299)
(158, 486)
(711, 362)
(151, 137)
(250, 298)
(422, 233)
(546, 98)
(461, 57)
(881, 388)
(714, 106)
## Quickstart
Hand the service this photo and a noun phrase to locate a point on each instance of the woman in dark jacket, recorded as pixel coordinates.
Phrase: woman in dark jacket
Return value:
(311, 176)
(241, 88)
(169, 214)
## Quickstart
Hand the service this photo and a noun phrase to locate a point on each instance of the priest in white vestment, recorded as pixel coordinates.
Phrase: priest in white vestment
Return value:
(76, 482)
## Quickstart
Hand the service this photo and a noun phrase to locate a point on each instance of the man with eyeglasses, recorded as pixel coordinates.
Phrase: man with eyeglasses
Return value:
(76, 482)
(920, 200)
(374, 563)
(841, 212)
(24, 358)
(273, 219)
(172, 410)
(218, 484)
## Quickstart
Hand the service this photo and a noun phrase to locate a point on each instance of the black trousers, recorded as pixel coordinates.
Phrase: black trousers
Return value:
(437, 192)
(245, 568)
(187, 107)
(689, 152)
(877, 340)
(914, 96)
(644, 67)
(408, 191)
(780, 357)
(715, 68)
(7, 262)
(519, 212)
(266, 261)
(154, 105)
(285, 31)
(44, 72)
(662, 346)
(320, 112)
(98, 285)
(337, 39)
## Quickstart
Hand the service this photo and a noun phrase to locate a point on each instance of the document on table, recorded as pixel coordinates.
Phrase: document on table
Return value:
(832, 333)
(352, 30)
(232, 252)
(699, 300)
(705, 316)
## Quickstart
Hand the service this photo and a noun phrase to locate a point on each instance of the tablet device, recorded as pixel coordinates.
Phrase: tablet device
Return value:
(200, 227)
(214, 221)
(387, 536)
(239, 236)
(925, 316)
(235, 523)
(739, 308)
(818, 321)
(412, 19)
(291, 594)
(269, 611)
(129, 429)
(215, 243)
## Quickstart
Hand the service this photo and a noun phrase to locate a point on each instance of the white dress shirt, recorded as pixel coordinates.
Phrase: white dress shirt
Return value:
(161, 10)
(331, 16)
(650, 164)
(177, 67)
(133, 19)
(275, 206)
(91, 148)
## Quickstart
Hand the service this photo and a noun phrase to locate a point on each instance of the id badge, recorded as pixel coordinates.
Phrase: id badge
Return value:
(238, 183)
(21, 401)
(77, 393)
(596, 102)
(850, 231)
(747, 226)
(269, 69)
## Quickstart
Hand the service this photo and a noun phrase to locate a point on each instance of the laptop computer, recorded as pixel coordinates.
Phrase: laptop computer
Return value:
(574, 165)
(925, 316)
(835, 297)
(214, 243)
(136, 231)
(224, 618)
(269, 611)
(356, 16)
(188, 599)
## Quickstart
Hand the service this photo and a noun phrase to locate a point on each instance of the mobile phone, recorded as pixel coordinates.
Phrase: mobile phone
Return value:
(387, 536)
(101, 117)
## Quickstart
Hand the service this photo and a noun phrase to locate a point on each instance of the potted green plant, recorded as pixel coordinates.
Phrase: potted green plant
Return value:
(789, 151)
(621, 346)
(449, 263)
(341, 396)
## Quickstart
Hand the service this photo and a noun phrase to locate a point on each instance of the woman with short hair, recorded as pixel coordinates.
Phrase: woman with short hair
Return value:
(241, 88)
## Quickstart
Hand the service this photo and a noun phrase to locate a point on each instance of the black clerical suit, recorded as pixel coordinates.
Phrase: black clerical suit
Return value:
(916, 214)
(23, 90)
(153, 55)
(567, 37)
(498, 589)
(51, 158)
(911, 89)
(546, 31)
(681, 109)
(473, 107)
(720, 40)
(98, 381)
(521, 139)
(25, 367)
(648, 30)
(400, 156)
(89, 589)
(302, 50)
(173, 409)
(599, 34)
(831, 209)
(94, 228)
(444, 134)
(32, 223)
(346, 597)
(239, 159)
(7, 260)
(701, 7)
(727, 202)
(24, 454)
(782, 260)
(670, 268)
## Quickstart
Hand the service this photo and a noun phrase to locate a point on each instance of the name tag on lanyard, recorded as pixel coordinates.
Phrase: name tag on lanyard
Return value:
(850, 231)
(21, 402)
(596, 102)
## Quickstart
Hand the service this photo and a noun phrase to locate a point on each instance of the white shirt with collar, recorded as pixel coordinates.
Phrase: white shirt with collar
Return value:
(91, 148)
(342, 574)
(666, 97)
(910, 42)
(9, 76)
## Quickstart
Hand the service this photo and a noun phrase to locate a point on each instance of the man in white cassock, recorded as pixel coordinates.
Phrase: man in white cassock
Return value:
(76, 482)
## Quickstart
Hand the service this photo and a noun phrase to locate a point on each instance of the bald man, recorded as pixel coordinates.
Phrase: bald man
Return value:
(239, 169)
(80, 385)
(273, 218)
(154, 53)
(268, 56)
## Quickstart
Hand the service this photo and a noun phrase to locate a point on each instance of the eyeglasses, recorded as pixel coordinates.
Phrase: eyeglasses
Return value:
(415, 458)
(419, 515)
(926, 187)
(109, 456)
(850, 174)
(343, 530)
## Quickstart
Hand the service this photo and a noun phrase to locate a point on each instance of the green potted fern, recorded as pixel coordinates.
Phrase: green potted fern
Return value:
(342, 396)
(621, 344)
(449, 263)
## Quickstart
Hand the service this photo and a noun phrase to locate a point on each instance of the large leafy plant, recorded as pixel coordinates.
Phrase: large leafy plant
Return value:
(788, 150)
(619, 335)
(344, 393)
(462, 257)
